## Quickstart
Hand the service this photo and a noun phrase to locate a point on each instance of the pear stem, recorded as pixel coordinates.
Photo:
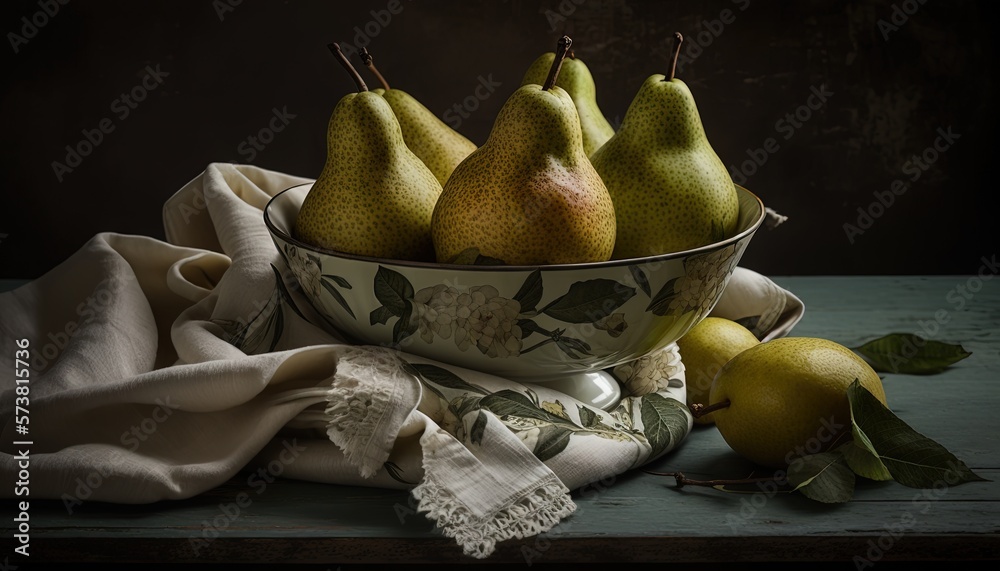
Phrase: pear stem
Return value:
(678, 40)
(369, 61)
(683, 480)
(563, 47)
(699, 410)
(335, 50)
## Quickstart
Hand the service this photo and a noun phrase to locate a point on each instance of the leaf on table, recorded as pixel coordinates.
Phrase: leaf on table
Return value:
(863, 460)
(911, 458)
(910, 354)
(824, 477)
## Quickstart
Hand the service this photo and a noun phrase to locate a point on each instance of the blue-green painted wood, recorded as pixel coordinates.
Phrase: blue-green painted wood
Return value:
(637, 515)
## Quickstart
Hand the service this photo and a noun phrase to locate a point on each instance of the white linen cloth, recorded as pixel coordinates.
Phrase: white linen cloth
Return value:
(138, 392)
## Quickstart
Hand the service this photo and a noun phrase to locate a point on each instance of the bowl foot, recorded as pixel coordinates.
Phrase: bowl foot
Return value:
(596, 388)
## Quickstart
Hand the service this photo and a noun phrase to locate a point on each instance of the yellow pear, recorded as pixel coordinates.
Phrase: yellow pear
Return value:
(374, 197)
(788, 398)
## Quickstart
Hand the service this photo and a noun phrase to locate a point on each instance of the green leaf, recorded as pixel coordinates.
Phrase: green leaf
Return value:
(279, 326)
(340, 281)
(284, 293)
(913, 459)
(472, 257)
(863, 461)
(910, 354)
(531, 291)
(664, 421)
(589, 301)
(528, 327)
(750, 322)
(660, 304)
(393, 290)
(588, 418)
(395, 473)
(570, 345)
(445, 378)
(404, 327)
(381, 314)
(478, 428)
(552, 440)
(640, 278)
(507, 402)
(336, 295)
(824, 477)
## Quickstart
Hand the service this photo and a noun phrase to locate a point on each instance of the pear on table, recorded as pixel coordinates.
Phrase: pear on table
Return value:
(671, 190)
(439, 146)
(576, 79)
(374, 197)
(529, 195)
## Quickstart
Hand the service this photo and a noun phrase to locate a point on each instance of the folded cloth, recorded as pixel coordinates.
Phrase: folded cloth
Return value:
(159, 370)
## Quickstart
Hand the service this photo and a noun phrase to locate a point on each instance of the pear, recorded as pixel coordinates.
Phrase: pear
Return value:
(374, 197)
(576, 79)
(439, 146)
(671, 191)
(529, 195)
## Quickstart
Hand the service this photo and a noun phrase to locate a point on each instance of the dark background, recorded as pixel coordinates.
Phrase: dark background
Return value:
(892, 89)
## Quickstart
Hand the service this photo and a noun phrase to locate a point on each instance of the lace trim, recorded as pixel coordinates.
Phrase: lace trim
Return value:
(536, 511)
(360, 399)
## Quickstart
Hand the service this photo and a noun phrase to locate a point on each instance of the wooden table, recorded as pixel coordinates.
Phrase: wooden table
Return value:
(637, 516)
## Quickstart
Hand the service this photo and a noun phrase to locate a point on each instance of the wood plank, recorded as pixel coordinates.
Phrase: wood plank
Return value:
(637, 516)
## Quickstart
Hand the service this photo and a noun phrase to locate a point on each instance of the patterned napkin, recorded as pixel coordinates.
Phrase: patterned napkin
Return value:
(159, 370)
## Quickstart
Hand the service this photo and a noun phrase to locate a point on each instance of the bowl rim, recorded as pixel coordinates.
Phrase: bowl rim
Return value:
(275, 231)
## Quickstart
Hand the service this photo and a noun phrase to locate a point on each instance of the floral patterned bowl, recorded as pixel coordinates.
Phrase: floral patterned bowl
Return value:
(523, 322)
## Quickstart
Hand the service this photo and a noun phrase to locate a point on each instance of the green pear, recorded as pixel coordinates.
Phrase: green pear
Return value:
(374, 197)
(671, 191)
(529, 195)
(575, 78)
(439, 146)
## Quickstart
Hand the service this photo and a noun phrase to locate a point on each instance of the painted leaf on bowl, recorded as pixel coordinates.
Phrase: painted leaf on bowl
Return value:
(405, 326)
(589, 301)
(531, 292)
(328, 284)
(392, 289)
(640, 279)
(705, 277)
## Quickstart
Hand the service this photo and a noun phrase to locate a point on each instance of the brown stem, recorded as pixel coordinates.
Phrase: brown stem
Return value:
(678, 40)
(699, 410)
(564, 43)
(571, 54)
(369, 61)
(335, 50)
(683, 480)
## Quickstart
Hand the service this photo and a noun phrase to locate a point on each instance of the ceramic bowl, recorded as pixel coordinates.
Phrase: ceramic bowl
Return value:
(523, 322)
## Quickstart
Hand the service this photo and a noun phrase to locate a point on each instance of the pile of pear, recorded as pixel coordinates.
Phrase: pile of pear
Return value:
(554, 183)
